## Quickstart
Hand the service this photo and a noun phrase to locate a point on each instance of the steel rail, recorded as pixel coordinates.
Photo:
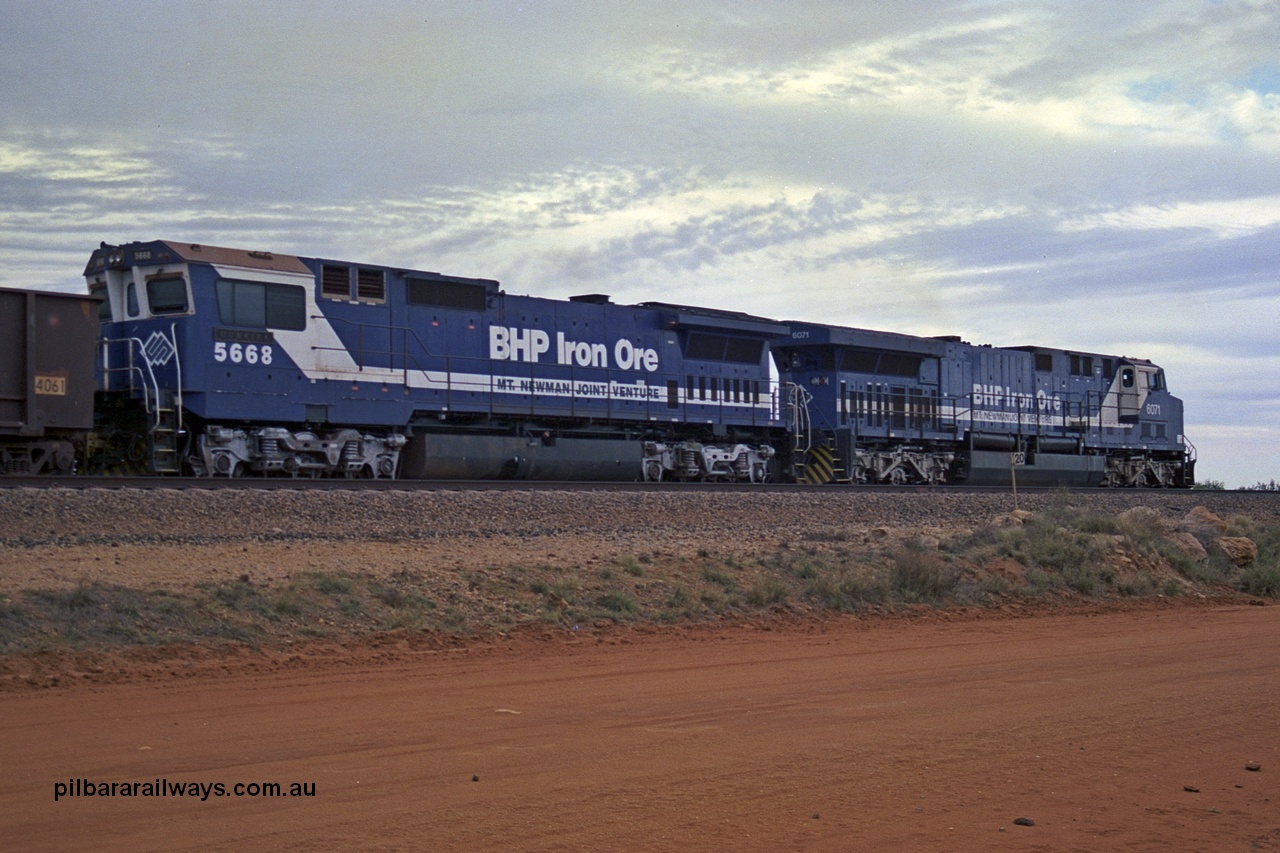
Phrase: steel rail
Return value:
(80, 482)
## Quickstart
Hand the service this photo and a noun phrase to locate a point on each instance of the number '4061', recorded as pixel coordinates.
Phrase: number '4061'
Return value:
(238, 353)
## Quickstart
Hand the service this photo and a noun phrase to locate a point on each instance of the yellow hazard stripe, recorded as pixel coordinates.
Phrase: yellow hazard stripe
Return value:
(819, 466)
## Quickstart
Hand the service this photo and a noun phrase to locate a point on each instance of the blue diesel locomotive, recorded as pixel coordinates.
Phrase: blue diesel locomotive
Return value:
(224, 362)
(878, 407)
(227, 362)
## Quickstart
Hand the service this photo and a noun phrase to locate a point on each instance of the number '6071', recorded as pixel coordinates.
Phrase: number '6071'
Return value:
(242, 353)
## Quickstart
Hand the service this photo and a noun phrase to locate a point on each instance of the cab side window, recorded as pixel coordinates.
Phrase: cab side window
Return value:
(104, 307)
(265, 306)
(167, 295)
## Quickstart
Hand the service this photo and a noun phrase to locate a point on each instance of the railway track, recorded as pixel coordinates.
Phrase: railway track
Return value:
(412, 485)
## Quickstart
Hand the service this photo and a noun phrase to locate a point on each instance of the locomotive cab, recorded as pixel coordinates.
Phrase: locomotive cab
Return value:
(135, 288)
(1128, 395)
(1137, 389)
(146, 292)
(1134, 385)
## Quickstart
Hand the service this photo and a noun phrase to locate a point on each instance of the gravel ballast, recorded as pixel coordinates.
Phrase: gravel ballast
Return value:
(61, 517)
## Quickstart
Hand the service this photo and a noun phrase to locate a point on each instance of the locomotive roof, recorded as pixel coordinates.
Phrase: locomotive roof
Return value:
(857, 337)
(223, 256)
(692, 315)
(1125, 358)
(161, 251)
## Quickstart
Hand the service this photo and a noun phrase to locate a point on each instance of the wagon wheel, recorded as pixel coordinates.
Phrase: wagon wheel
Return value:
(135, 450)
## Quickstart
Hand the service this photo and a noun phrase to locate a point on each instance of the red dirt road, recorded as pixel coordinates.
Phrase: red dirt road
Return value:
(891, 735)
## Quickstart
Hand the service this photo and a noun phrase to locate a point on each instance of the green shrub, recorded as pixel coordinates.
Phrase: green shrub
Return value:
(566, 588)
(234, 594)
(287, 601)
(806, 570)
(680, 599)
(766, 591)
(1081, 579)
(1242, 525)
(1136, 585)
(719, 578)
(849, 587)
(83, 597)
(332, 584)
(916, 575)
(1059, 547)
(1260, 579)
(619, 602)
(1210, 485)
(1076, 519)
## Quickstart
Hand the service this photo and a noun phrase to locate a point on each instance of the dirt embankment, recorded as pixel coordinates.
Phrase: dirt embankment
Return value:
(147, 576)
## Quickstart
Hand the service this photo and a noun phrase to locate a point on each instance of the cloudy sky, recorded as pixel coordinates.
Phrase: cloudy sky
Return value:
(1102, 176)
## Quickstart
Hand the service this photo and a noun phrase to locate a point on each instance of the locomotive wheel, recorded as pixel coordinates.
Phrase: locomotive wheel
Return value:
(136, 450)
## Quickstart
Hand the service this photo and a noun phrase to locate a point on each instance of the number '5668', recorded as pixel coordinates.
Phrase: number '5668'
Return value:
(242, 353)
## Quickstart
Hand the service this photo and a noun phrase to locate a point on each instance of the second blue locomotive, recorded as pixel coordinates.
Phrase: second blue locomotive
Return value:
(878, 407)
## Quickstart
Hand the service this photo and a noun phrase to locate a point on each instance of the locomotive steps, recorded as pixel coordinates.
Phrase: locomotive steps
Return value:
(101, 571)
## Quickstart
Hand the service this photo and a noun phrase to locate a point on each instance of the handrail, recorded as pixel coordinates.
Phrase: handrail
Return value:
(177, 368)
(801, 426)
(131, 369)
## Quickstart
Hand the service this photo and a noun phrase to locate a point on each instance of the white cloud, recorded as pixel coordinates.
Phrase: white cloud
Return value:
(1225, 218)
(69, 158)
(992, 70)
